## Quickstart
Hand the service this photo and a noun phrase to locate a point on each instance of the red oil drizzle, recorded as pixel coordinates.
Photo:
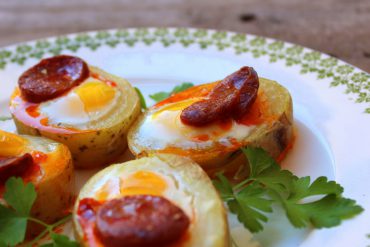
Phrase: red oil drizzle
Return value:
(258, 112)
(225, 124)
(33, 111)
(28, 113)
(39, 157)
(111, 83)
(86, 213)
(101, 78)
(201, 138)
(44, 121)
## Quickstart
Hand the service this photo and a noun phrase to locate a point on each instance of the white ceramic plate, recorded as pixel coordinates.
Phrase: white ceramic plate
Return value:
(331, 104)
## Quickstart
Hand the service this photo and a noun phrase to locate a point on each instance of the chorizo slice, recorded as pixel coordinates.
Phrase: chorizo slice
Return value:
(52, 77)
(232, 97)
(140, 220)
(14, 166)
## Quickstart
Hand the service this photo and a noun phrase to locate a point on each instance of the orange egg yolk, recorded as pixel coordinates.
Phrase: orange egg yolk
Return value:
(176, 106)
(95, 95)
(143, 183)
(11, 144)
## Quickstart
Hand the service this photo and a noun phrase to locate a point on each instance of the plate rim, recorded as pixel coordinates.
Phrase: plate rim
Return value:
(355, 80)
(210, 32)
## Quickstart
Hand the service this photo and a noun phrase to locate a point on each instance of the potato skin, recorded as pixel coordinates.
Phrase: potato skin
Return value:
(275, 141)
(55, 187)
(101, 145)
(274, 137)
(55, 195)
(89, 149)
(211, 227)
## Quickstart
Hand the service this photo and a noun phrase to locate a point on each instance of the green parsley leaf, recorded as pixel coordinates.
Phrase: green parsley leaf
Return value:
(5, 118)
(268, 172)
(14, 215)
(249, 205)
(157, 97)
(325, 212)
(258, 161)
(13, 221)
(19, 196)
(60, 241)
(224, 187)
(251, 200)
(182, 87)
(142, 99)
(301, 188)
(12, 227)
(48, 245)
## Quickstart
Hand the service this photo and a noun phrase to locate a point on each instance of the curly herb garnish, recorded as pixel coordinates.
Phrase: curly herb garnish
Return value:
(251, 200)
(20, 198)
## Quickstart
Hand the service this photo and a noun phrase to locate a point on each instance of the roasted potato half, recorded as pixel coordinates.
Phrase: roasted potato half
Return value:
(113, 205)
(216, 147)
(91, 118)
(44, 163)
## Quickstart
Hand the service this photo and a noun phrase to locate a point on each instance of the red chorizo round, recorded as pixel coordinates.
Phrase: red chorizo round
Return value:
(232, 97)
(14, 166)
(140, 220)
(52, 77)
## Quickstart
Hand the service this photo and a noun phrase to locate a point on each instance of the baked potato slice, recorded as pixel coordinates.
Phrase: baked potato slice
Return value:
(176, 178)
(51, 172)
(92, 119)
(269, 124)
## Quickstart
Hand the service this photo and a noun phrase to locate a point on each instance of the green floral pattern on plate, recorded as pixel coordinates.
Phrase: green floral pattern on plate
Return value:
(357, 82)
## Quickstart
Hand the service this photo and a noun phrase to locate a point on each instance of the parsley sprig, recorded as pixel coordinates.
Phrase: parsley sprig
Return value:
(319, 204)
(164, 95)
(14, 217)
(142, 99)
(5, 118)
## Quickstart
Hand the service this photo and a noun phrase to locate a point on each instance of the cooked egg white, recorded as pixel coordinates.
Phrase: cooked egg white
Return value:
(90, 101)
(163, 127)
